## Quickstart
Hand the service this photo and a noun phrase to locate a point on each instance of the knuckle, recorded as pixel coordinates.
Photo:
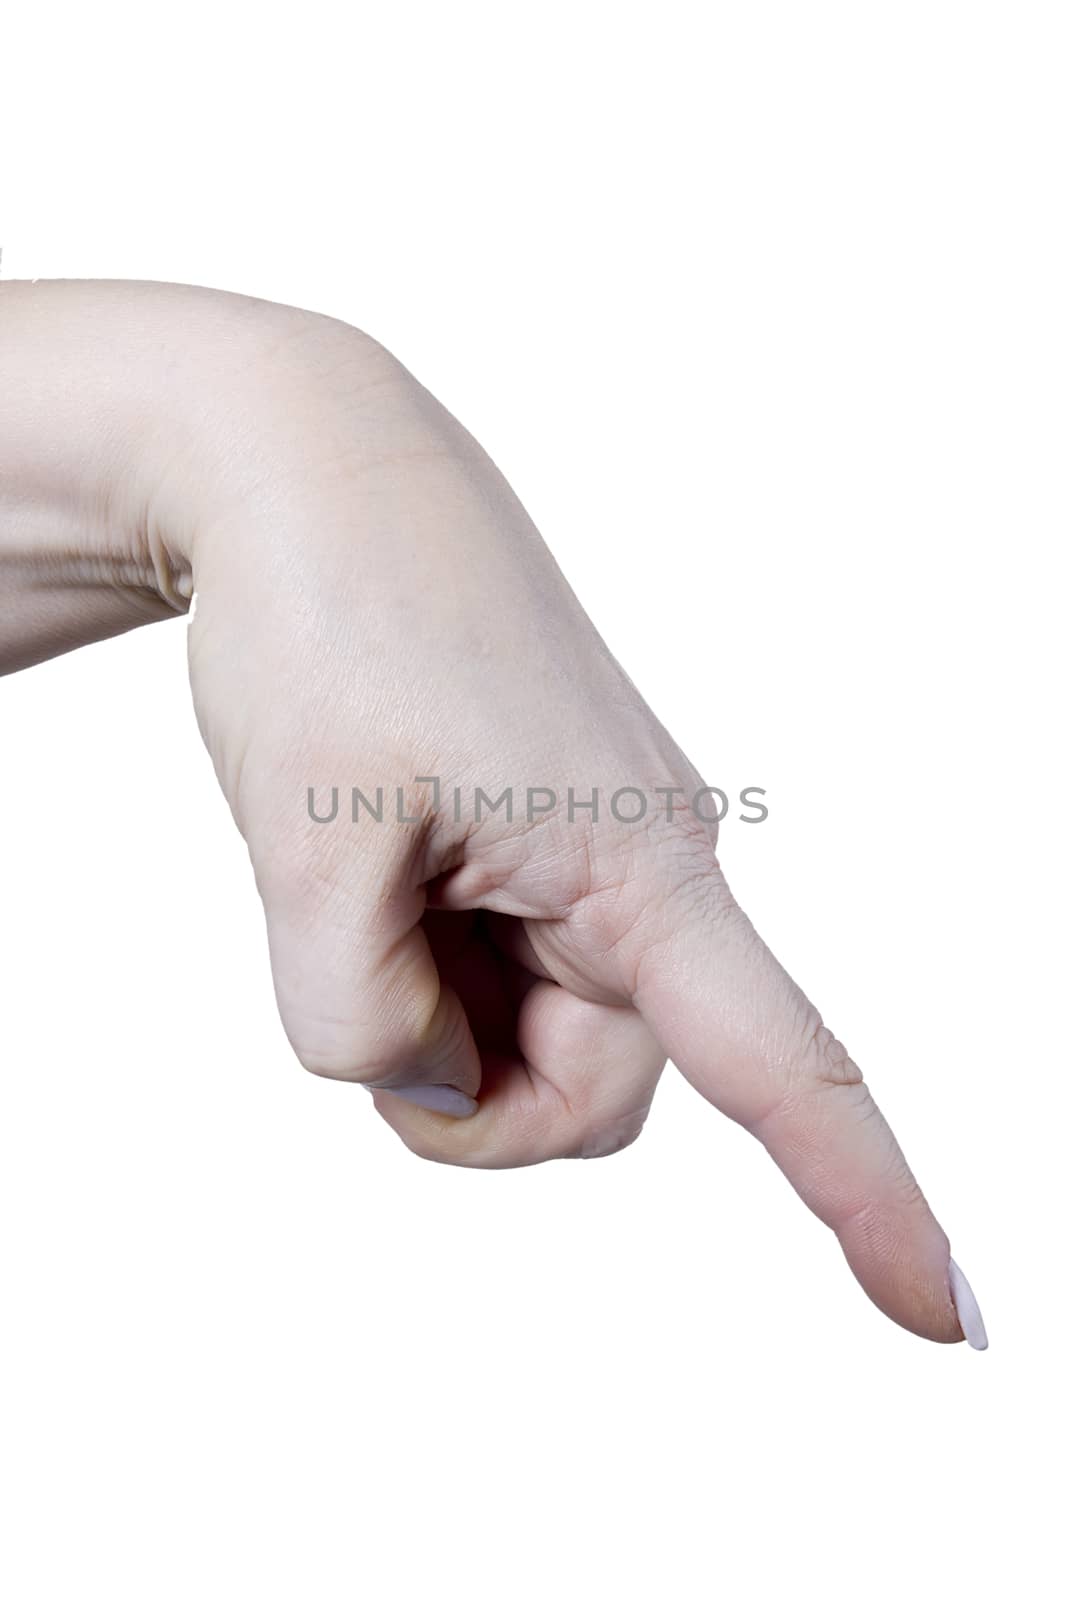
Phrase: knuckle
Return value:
(826, 1060)
(325, 1061)
(338, 1047)
(609, 1138)
(683, 905)
(811, 1062)
(666, 882)
(375, 1027)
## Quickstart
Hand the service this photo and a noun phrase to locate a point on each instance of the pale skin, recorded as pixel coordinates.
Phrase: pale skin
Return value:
(373, 604)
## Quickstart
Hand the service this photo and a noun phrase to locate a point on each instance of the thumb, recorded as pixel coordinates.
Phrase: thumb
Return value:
(752, 1043)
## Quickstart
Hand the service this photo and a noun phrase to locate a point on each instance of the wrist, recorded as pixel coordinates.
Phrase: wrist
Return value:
(104, 389)
(132, 417)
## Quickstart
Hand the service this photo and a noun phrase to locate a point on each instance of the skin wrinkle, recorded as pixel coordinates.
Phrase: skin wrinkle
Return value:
(686, 891)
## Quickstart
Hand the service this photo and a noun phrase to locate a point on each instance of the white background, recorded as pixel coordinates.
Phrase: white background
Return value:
(761, 309)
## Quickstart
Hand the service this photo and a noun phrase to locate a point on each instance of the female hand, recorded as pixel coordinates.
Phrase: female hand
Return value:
(375, 612)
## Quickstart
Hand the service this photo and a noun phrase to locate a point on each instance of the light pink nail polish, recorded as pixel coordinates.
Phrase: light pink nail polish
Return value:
(967, 1312)
(440, 1097)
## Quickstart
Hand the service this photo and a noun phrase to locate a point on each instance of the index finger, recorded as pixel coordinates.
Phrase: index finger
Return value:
(744, 1034)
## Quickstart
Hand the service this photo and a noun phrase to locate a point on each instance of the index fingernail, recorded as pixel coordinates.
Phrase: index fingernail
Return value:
(967, 1312)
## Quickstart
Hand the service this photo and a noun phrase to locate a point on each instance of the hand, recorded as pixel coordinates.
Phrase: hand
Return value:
(374, 611)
